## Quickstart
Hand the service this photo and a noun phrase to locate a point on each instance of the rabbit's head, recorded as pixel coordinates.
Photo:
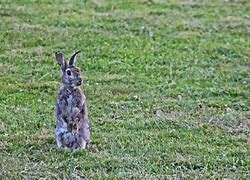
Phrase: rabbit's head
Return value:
(71, 75)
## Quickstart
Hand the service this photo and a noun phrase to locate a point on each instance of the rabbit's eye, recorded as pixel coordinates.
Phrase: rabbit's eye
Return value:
(68, 72)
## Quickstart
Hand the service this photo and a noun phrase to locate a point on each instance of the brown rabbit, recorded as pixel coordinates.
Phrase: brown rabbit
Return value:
(72, 125)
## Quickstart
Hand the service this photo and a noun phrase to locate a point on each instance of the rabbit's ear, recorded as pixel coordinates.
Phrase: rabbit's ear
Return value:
(74, 58)
(61, 60)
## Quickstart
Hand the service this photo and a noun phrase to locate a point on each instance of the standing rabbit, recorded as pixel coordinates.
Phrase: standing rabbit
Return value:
(72, 125)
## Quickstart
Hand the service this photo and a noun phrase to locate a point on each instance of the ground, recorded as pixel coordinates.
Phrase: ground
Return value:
(167, 84)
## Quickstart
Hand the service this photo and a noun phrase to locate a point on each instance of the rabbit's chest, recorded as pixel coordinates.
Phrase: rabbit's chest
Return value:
(71, 105)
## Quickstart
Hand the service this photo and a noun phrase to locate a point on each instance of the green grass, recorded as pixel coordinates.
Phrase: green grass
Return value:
(168, 87)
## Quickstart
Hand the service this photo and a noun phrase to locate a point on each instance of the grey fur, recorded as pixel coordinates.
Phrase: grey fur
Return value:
(72, 123)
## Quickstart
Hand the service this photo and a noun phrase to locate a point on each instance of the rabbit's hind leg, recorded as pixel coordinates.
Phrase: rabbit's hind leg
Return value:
(81, 142)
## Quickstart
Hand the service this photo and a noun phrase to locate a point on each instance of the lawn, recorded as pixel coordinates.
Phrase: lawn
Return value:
(167, 83)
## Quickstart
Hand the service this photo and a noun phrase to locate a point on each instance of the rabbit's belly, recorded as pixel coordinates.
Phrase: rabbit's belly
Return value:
(69, 140)
(69, 103)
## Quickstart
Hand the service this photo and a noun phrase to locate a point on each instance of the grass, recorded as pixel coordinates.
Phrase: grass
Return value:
(167, 84)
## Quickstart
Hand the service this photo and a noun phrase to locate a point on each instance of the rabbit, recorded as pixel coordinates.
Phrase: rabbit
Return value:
(72, 123)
